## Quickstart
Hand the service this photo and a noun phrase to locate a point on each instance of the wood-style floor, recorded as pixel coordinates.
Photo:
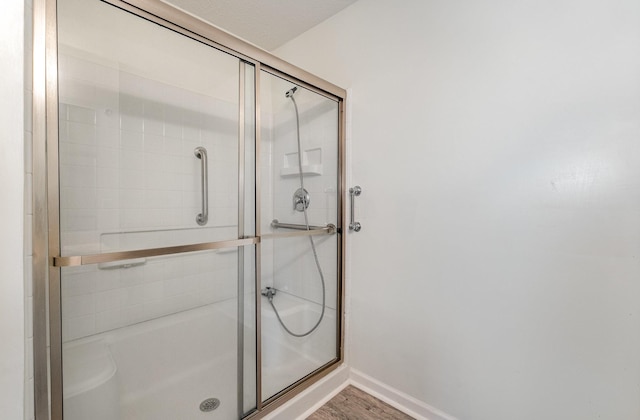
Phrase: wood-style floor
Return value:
(354, 404)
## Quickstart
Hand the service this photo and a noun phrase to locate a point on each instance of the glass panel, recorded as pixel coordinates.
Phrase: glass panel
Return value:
(153, 341)
(136, 100)
(153, 338)
(288, 265)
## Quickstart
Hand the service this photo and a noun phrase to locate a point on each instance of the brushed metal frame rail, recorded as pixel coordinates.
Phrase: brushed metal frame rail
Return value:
(201, 153)
(178, 19)
(75, 261)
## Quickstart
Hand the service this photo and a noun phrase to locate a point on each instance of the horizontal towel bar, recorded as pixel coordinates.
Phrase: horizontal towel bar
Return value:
(146, 253)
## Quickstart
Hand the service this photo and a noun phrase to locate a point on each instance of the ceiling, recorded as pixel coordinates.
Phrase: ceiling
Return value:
(265, 23)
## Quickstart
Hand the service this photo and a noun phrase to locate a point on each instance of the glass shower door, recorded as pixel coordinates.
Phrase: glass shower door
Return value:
(157, 232)
(300, 243)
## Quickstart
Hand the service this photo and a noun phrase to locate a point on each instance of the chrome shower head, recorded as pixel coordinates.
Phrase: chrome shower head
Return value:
(291, 91)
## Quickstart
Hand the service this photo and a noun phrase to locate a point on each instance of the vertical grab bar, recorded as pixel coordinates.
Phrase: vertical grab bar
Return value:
(354, 192)
(201, 153)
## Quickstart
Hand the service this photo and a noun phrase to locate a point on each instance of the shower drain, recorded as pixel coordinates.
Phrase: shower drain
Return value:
(209, 404)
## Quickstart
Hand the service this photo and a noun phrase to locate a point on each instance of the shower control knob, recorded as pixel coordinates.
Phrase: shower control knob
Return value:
(355, 226)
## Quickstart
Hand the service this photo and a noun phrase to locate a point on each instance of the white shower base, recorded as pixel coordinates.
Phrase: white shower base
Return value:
(164, 368)
(287, 359)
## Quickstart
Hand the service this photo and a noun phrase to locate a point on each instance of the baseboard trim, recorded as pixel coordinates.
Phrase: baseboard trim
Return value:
(396, 398)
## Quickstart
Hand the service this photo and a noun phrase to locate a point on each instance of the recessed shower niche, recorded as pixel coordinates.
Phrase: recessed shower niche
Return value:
(171, 162)
(311, 163)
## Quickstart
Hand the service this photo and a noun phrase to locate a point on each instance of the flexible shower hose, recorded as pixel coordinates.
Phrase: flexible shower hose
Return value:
(313, 245)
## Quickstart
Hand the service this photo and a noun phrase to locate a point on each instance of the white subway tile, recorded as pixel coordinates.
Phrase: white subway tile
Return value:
(152, 291)
(154, 218)
(109, 300)
(155, 270)
(81, 133)
(153, 143)
(171, 217)
(131, 276)
(78, 154)
(81, 115)
(173, 145)
(105, 281)
(135, 295)
(108, 220)
(107, 177)
(154, 118)
(132, 199)
(108, 136)
(72, 241)
(132, 159)
(74, 220)
(191, 133)
(173, 286)
(76, 306)
(131, 122)
(108, 113)
(133, 314)
(131, 140)
(155, 162)
(107, 198)
(157, 308)
(132, 179)
(78, 284)
(108, 157)
(108, 320)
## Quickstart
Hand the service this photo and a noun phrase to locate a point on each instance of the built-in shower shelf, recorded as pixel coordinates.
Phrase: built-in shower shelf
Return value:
(311, 163)
(306, 170)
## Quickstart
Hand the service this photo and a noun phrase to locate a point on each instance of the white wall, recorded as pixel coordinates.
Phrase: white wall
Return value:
(12, 303)
(497, 144)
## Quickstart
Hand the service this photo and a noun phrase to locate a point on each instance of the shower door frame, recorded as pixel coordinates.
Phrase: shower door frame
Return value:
(46, 219)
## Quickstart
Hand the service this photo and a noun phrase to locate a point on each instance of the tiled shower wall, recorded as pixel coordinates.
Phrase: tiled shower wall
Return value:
(129, 179)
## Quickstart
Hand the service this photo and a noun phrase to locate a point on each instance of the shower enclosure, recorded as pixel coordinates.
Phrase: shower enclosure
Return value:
(189, 235)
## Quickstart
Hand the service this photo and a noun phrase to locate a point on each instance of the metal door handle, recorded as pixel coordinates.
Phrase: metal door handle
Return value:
(201, 153)
(354, 192)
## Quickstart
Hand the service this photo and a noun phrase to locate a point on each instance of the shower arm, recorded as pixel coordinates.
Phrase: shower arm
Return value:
(203, 218)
